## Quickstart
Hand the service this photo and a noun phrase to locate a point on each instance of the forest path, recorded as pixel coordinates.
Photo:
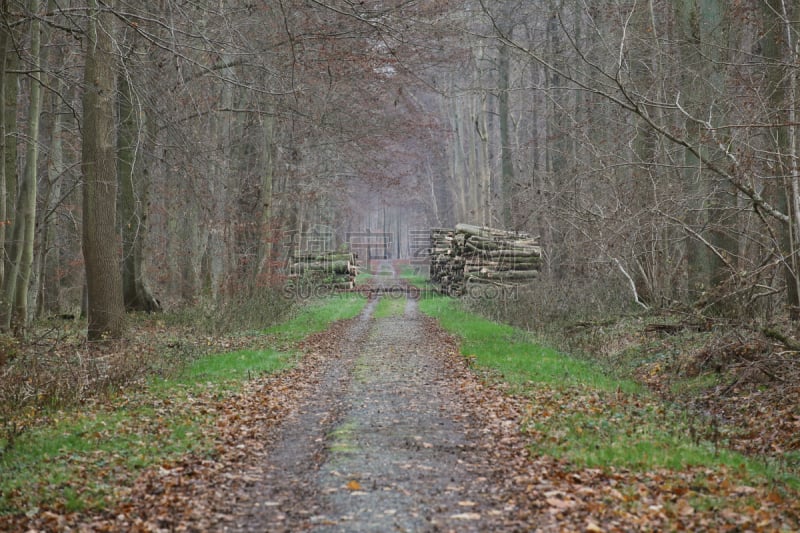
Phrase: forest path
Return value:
(384, 443)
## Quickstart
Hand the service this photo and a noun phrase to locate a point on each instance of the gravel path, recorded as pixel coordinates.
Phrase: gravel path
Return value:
(384, 443)
(399, 459)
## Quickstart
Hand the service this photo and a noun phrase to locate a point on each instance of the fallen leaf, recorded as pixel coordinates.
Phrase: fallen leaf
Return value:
(592, 527)
(466, 516)
(559, 503)
(684, 508)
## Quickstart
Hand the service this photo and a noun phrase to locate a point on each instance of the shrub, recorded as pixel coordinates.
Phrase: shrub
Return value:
(9, 350)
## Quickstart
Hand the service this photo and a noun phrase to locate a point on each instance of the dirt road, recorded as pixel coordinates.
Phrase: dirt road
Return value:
(385, 443)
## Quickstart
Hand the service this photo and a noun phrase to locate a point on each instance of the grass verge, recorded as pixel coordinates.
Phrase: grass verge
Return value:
(85, 459)
(318, 315)
(390, 306)
(514, 355)
(579, 413)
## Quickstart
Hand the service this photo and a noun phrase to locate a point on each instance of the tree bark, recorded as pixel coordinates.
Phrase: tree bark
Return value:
(5, 40)
(265, 249)
(47, 263)
(10, 180)
(106, 310)
(27, 199)
(504, 110)
(132, 141)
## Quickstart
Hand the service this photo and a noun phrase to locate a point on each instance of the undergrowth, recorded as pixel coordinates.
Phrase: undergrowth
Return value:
(246, 310)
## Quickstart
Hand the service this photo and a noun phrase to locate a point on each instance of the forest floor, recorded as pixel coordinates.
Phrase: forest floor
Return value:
(383, 425)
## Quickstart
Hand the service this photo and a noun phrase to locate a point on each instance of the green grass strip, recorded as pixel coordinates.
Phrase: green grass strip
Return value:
(513, 354)
(317, 315)
(390, 305)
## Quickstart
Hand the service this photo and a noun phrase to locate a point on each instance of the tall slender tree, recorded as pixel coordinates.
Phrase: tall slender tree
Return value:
(21, 257)
(106, 310)
(133, 141)
(5, 44)
(8, 147)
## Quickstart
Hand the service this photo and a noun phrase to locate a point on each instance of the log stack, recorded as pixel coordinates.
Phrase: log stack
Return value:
(337, 270)
(441, 255)
(480, 255)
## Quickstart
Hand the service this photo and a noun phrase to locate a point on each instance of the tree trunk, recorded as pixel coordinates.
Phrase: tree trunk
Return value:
(20, 256)
(773, 45)
(106, 310)
(8, 144)
(26, 211)
(699, 261)
(506, 157)
(268, 176)
(5, 41)
(132, 141)
(220, 246)
(47, 266)
(50, 189)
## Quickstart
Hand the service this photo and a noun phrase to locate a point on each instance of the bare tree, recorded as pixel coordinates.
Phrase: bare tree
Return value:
(21, 259)
(687, 135)
(106, 310)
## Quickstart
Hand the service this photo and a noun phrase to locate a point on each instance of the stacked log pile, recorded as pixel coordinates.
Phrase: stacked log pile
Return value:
(474, 254)
(442, 267)
(337, 270)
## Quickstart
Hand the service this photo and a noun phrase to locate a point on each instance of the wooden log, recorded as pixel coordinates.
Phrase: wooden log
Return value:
(479, 254)
(501, 248)
(509, 275)
(484, 231)
(486, 260)
(516, 252)
(524, 241)
(486, 281)
(522, 267)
